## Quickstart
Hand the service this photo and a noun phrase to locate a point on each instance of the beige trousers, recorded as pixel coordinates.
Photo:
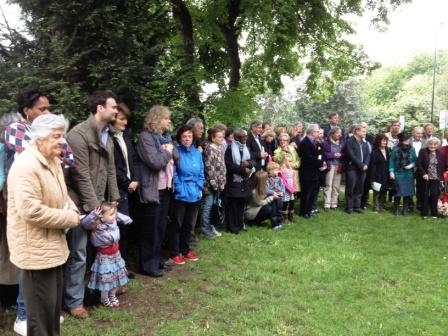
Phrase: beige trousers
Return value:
(332, 187)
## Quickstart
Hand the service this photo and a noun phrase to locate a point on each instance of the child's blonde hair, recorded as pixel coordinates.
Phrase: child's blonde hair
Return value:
(272, 166)
(261, 177)
(287, 156)
(107, 206)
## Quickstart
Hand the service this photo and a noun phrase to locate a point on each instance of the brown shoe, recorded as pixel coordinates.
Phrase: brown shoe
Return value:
(121, 290)
(79, 312)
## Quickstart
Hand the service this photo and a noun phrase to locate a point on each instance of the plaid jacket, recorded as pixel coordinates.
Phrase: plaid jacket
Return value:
(17, 138)
(215, 169)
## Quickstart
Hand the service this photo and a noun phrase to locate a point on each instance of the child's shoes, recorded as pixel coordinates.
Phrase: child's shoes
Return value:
(114, 301)
(111, 302)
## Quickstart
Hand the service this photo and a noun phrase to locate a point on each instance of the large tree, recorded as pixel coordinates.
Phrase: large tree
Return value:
(165, 51)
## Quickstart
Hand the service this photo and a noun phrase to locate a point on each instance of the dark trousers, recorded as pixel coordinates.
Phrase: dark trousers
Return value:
(419, 190)
(179, 230)
(235, 214)
(123, 207)
(271, 211)
(265, 212)
(277, 208)
(315, 197)
(152, 232)
(123, 203)
(379, 198)
(288, 206)
(42, 290)
(354, 187)
(431, 193)
(310, 188)
(123, 240)
(365, 192)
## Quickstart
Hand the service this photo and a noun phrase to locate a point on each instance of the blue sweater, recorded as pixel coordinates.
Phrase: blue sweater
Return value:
(188, 175)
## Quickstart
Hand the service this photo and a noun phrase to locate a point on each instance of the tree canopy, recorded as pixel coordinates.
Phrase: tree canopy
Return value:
(384, 95)
(166, 51)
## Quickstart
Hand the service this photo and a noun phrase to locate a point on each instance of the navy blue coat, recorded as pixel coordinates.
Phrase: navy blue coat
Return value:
(310, 160)
(353, 158)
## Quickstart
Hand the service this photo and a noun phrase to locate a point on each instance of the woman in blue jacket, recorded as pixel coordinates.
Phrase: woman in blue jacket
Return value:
(188, 183)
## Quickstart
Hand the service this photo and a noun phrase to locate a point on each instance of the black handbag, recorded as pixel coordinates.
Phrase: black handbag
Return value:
(217, 212)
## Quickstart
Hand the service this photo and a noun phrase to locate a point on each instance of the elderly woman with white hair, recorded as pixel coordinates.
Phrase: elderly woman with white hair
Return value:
(312, 162)
(39, 212)
(430, 168)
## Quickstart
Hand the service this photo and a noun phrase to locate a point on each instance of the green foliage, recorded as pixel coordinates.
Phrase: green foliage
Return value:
(346, 100)
(406, 90)
(277, 110)
(136, 49)
(377, 99)
(85, 46)
(233, 108)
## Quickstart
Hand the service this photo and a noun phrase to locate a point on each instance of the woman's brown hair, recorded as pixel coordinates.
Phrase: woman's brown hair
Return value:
(153, 118)
(261, 178)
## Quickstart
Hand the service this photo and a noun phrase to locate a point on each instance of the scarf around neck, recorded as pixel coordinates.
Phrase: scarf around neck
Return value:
(238, 149)
(162, 139)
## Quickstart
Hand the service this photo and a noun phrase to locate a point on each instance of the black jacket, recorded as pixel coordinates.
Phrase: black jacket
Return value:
(120, 164)
(310, 160)
(255, 151)
(236, 189)
(270, 147)
(423, 163)
(353, 154)
(379, 167)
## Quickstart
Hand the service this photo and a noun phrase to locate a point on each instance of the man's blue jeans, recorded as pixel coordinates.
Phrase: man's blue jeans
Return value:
(21, 312)
(206, 226)
(75, 269)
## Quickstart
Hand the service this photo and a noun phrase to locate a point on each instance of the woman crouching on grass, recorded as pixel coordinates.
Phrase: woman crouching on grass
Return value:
(262, 206)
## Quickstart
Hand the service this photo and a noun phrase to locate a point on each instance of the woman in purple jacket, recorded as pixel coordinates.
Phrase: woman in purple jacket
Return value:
(334, 154)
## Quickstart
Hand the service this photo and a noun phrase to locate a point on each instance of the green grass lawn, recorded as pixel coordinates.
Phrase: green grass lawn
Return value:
(335, 274)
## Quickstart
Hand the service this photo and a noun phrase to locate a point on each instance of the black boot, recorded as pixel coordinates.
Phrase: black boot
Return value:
(291, 216)
(405, 206)
(397, 206)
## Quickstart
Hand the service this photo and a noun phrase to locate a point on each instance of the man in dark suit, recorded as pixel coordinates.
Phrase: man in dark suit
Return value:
(254, 144)
(333, 121)
(357, 158)
(312, 163)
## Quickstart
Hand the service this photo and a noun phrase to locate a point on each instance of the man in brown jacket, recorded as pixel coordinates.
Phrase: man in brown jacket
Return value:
(91, 181)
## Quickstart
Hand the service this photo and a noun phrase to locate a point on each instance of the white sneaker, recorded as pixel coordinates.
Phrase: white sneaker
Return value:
(20, 327)
(217, 233)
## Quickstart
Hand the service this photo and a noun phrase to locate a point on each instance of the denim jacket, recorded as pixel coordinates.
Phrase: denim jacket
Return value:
(188, 175)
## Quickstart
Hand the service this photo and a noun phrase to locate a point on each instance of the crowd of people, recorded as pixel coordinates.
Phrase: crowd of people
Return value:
(67, 193)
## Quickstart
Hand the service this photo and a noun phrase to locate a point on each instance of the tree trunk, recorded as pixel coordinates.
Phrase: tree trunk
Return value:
(230, 31)
(184, 25)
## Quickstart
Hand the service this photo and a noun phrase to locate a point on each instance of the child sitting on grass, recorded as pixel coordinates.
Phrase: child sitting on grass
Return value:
(108, 271)
(288, 176)
(262, 206)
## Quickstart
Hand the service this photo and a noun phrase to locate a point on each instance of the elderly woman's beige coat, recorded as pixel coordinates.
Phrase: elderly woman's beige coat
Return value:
(39, 209)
